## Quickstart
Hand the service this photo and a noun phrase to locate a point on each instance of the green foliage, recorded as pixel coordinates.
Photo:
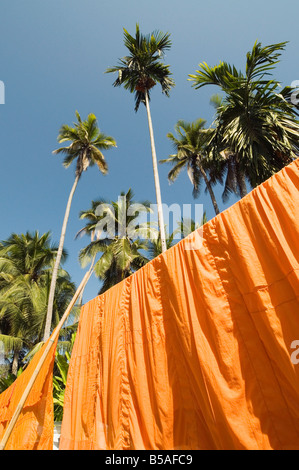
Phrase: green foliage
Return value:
(256, 127)
(142, 68)
(87, 143)
(59, 384)
(8, 380)
(61, 368)
(192, 145)
(26, 262)
(121, 247)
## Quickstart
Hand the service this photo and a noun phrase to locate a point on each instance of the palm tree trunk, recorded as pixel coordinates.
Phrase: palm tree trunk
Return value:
(92, 236)
(57, 262)
(241, 180)
(156, 176)
(242, 185)
(209, 187)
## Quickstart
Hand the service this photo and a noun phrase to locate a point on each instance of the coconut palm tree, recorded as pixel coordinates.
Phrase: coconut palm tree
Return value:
(139, 72)
(256, 125)
(190, 143)
(86, 145)
(23, 309)
(26, 261)
(26, 254)
(121, 238)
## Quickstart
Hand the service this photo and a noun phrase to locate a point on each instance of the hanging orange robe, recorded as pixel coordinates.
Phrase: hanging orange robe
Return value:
(194, 351)
(35, 426)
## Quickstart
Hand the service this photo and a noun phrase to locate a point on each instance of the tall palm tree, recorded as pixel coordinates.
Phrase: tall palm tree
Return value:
(190, 143)
(139, 72)
(256, 124)
(121, 240)
(86, 145)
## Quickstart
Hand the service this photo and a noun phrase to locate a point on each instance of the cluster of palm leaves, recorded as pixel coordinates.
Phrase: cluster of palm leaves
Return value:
(142, 69)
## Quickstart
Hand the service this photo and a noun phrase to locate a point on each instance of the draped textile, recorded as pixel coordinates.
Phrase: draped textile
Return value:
(35, 426)
(194, 351)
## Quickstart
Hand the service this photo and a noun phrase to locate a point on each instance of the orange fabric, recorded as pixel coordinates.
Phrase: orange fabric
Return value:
(194, 350)
(35, 426)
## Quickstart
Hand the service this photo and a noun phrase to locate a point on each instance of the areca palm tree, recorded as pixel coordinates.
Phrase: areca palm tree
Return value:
(121, 238)
(186, 227)
(190, 143)
(139, 72)
(155, 245)
(121, 259)
(256, 125)
(86, 145)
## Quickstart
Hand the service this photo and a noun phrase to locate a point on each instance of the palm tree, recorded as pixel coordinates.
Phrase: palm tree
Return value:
(86, 145)
(186, 227)
(121, 238)
(155, 245)
(256, 126)
(26, 261)
(139, 73)
(26, 254)
(190, 144)
(23, 309)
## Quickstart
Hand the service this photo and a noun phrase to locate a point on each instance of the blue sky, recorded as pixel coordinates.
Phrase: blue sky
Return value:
(53, 55)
